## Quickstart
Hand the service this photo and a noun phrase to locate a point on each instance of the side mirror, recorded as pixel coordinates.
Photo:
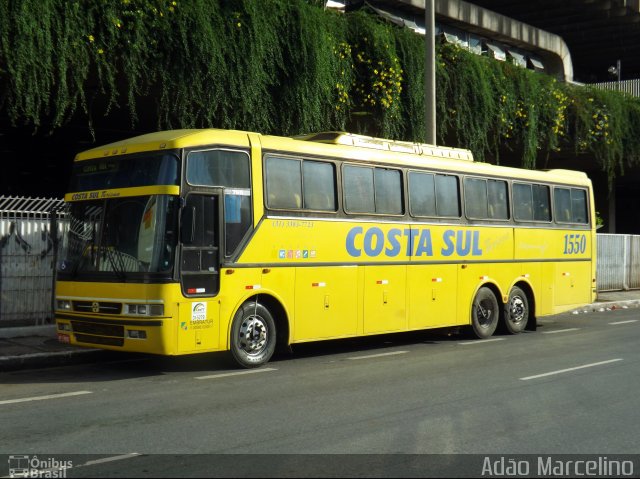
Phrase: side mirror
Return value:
(188, 225)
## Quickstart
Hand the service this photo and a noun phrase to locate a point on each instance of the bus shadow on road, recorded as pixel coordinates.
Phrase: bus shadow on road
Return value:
(368, 344)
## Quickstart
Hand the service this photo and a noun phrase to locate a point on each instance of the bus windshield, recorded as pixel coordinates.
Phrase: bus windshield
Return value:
(120, 237)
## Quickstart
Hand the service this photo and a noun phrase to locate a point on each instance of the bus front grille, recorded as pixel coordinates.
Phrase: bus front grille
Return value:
(85, 338)
(97, 307)
(98, 329)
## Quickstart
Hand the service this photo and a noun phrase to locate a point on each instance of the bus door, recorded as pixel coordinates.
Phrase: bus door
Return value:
(199, 271)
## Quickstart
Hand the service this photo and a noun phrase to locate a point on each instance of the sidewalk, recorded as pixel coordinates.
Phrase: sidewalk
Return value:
(37, 346)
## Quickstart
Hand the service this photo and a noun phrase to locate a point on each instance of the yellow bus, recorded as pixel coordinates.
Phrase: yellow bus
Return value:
(191, 241)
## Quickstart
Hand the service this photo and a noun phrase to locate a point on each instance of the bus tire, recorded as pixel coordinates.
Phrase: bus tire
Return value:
(253, 335)
(484, 313)
(516, 311)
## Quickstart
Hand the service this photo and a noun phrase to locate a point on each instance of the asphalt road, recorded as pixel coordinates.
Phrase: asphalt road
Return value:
(386, 406)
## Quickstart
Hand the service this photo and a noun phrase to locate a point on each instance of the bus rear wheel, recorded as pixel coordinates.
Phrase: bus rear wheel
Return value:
(253, 335)
(516, 311)
(484, 313)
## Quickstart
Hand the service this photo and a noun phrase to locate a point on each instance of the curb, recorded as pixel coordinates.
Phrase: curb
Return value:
(49, 359)
(48, 330)
(607, 306)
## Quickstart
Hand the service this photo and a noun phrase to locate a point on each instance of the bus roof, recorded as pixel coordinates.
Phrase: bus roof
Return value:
(168, 139)
(334, 144)
(349, 139)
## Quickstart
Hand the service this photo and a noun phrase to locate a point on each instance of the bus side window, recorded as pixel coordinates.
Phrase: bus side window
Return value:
(562, 204)
(422, 195)
(497, 197)
(541, 203)
(319, 186)
(522, 202)
(283, 183)
(447, 196)
(578, 206)
(475, 198)
(358, 189)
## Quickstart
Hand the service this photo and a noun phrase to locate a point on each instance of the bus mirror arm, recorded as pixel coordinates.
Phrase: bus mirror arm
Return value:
(187, 225)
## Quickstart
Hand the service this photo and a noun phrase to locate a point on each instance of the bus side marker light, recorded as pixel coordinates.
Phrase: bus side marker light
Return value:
(525, 275)
(230, 271)
(196, 290)
(483, 278)
(436, 280)
(318, 285)
(382, 281)
(252, 286)
(566, 274)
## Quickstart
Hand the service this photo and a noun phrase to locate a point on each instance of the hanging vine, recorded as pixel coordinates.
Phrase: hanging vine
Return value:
(289, 67)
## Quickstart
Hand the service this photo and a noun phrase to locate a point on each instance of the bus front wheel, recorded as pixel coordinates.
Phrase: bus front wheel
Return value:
(253, 335)
(484, 313)
(516, 311)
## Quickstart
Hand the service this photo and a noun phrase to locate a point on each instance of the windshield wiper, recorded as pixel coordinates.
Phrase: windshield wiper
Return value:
(116, 261)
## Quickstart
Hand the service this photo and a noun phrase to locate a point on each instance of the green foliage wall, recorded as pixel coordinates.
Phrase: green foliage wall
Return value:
(288, 67)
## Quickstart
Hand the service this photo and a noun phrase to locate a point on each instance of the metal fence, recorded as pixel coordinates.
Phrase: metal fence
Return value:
(26, 260)
(618, 263)
(630, 87)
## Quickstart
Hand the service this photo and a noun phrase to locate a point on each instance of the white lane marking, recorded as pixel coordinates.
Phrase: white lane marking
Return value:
(236, 373)
(481, 341)
(393, 353)
(42, 398)
(561, 371)
(626, 322)
(560, 331)
(131, 455)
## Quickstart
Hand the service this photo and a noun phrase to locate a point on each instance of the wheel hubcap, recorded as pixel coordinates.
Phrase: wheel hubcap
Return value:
(517, 309)
(253, 335)
(484, 313)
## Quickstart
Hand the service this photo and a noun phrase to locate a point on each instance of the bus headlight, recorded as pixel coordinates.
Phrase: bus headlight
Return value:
(144, 309)
(63, 304)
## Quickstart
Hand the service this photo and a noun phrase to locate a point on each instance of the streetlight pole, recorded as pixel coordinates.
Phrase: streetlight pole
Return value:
(430, 72)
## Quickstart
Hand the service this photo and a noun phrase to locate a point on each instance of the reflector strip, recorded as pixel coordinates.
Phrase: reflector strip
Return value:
(196, 290)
